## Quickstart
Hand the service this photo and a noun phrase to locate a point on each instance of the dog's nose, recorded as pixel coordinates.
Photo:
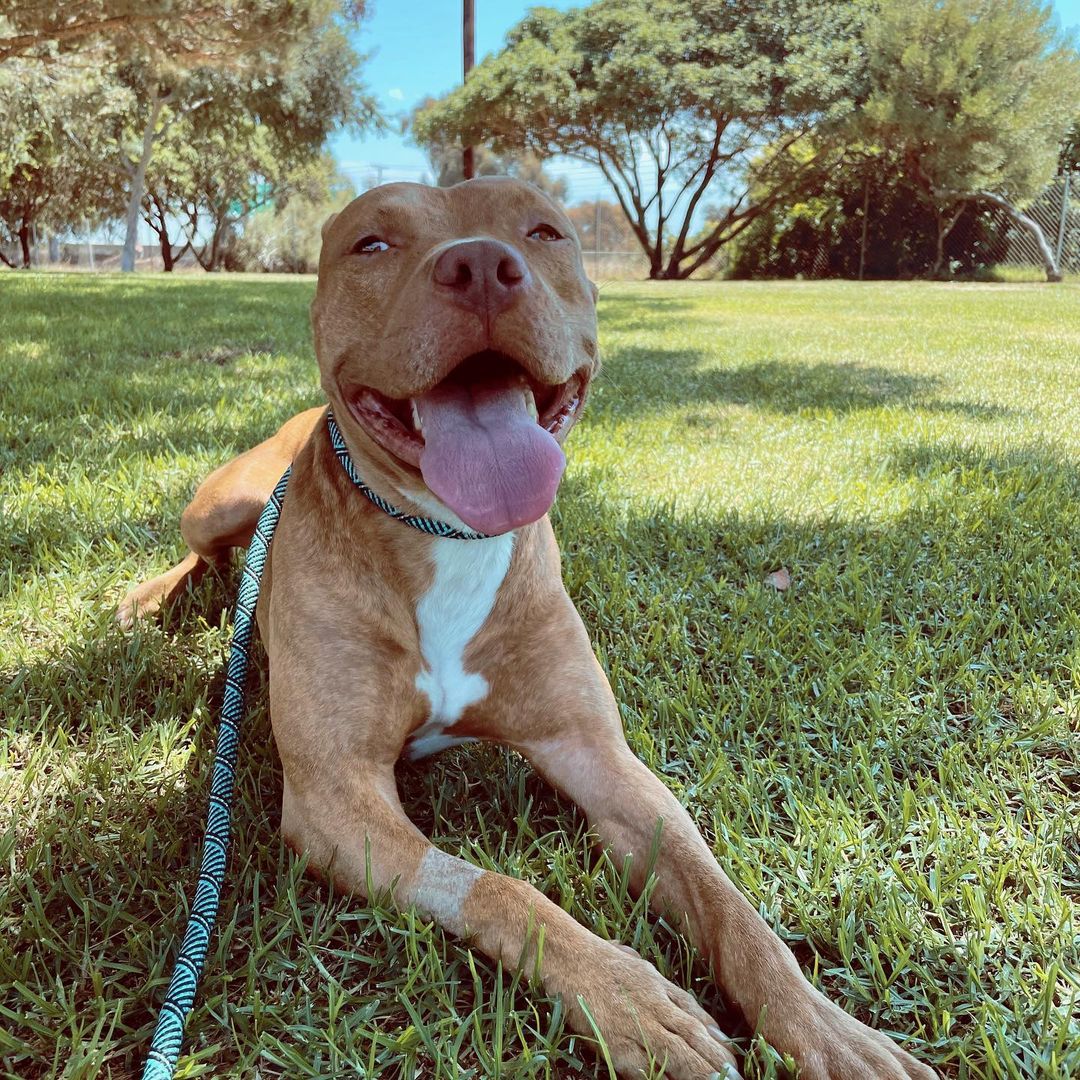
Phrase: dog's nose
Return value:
(482, 276)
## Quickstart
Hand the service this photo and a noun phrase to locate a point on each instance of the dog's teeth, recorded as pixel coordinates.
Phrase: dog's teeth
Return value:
(416, 417)
(530, 404)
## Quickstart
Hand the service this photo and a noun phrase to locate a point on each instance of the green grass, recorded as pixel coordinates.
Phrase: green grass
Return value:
(886, 757)
(1014, 273)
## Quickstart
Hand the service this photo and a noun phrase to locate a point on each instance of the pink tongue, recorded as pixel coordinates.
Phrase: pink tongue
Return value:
(486, 457)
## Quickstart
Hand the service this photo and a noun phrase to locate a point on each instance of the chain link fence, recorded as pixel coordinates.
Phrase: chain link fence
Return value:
(996, 240)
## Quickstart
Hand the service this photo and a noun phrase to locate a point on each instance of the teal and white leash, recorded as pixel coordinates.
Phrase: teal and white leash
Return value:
(169, 1033)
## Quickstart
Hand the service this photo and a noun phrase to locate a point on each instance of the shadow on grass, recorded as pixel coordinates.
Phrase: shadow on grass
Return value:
(1021, 469)
(667, 378)
(132, 409)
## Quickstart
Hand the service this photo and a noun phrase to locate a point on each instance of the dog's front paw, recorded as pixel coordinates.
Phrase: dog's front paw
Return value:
(828, 1044)
(649, 1026)
(143, 602)
(132, 607)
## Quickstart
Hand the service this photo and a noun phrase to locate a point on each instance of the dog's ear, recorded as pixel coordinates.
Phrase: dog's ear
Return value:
(328, 222)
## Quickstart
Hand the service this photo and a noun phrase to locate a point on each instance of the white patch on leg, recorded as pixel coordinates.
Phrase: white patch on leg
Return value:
(442, 884)
(449, 615)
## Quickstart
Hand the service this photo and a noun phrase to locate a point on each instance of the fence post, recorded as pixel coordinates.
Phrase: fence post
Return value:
(1064, 218)
(596, 241)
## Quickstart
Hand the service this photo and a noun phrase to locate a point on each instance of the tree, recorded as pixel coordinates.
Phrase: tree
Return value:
(168, 178)
(218, 163)
(447, 163)
(976, 97)
(195, 31)
(231, 173)
(168, 65)
(863, 219)
(672, 100)
(51, 149)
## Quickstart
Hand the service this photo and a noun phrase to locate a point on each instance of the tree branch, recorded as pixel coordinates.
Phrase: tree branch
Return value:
(1053, 271)
(710, 172)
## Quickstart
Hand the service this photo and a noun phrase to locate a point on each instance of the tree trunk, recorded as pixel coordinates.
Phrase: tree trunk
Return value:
(218, 238)
(5, 260)
(939, 251)
(669, 273)
(945, 225)
(1053, 271)
(157, 221)
(138, 183)
(24, 242)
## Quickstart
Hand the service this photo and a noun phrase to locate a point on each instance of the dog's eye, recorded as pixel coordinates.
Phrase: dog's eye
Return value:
(370, 245)
(545, 232)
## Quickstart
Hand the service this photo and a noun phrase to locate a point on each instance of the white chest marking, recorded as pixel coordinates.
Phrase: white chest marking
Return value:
(449, 615)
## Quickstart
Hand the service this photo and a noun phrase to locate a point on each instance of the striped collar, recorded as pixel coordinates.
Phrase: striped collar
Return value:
(431, 526)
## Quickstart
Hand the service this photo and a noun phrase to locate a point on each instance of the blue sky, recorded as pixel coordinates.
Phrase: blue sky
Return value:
(416, 53)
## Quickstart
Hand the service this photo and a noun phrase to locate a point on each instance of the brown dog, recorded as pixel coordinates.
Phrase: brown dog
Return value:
(456, 337)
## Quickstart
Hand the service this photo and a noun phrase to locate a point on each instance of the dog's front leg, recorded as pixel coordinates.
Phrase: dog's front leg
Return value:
(357, 832)
(586, 756)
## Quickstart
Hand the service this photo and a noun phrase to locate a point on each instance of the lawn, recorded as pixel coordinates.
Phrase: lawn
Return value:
(885, 757)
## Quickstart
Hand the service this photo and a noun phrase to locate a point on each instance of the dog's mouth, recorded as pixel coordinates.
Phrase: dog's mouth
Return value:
(485, 439)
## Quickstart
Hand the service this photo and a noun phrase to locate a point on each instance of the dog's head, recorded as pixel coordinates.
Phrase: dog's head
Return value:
(456, 336)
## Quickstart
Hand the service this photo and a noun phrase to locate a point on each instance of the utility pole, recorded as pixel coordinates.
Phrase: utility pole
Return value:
(468, 58)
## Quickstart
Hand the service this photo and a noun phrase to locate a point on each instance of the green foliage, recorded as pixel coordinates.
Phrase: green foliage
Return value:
(229, 145)
(965, 97)
(822, 235)
(194, 145)
(52, 142)
(972, 94)
(264, 105)
(1069, 160)
(190, 32)
(884, 757)
(672, 99)
(287, 62)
